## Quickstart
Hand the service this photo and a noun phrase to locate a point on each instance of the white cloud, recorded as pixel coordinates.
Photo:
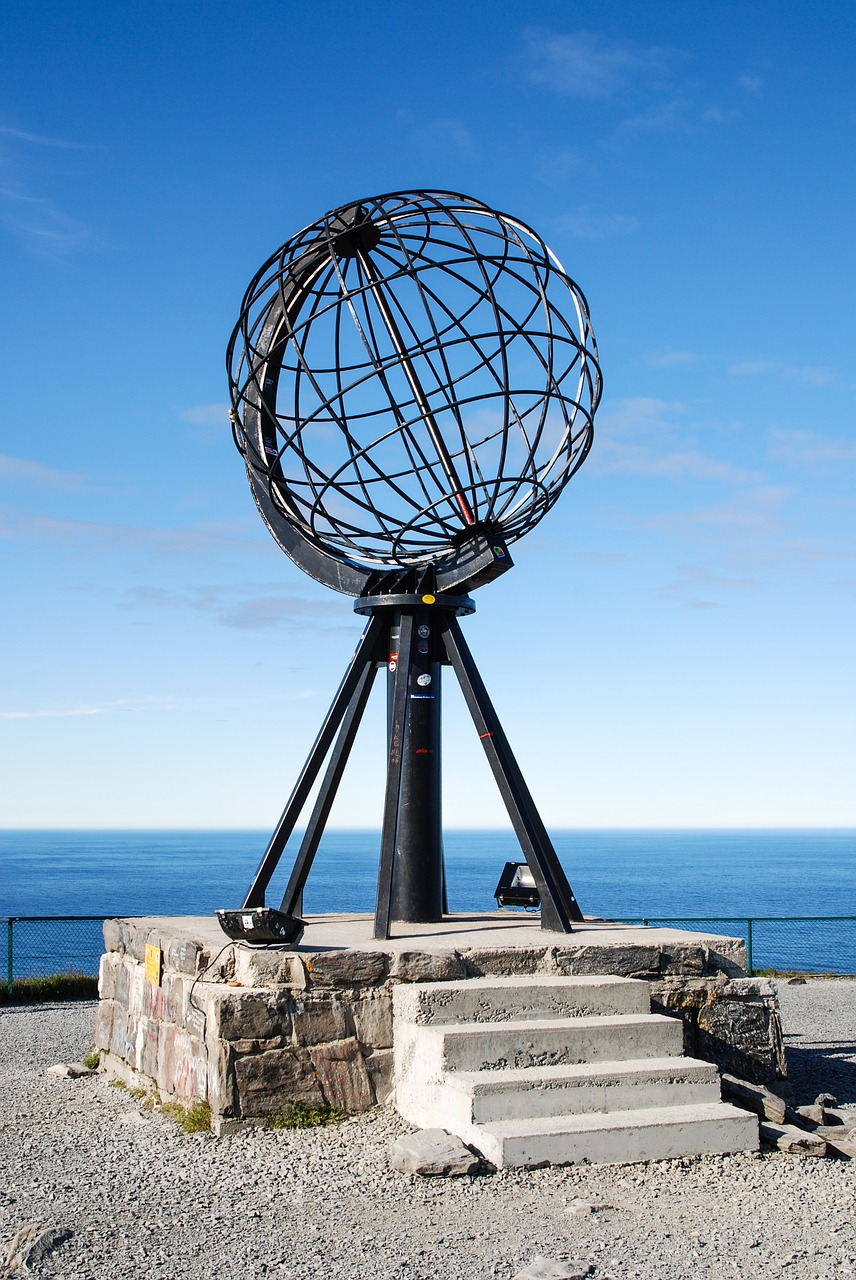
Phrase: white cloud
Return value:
(752, 85)
(27, 471)
(39, 140)
(244, 608)
(584, 64)
(38, 221)
(813, 375)
(447, 135)
(588, 224)
(673, 116)
(639, 413)
(670, 358)
(696, 587)
(811, 447)
(207, 415)
(640, 460)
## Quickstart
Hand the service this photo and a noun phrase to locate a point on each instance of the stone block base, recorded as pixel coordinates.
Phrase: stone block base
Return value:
(250, 1029)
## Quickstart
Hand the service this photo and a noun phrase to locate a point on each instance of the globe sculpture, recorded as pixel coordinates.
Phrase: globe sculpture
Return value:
(413, 382)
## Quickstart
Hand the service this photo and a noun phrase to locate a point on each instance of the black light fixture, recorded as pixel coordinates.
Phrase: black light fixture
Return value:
(516, 887)
(261, 924)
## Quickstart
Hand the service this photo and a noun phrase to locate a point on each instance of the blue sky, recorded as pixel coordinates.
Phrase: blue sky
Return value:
(674, 646)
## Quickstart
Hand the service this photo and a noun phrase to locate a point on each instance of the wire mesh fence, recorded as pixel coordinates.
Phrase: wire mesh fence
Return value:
(41, 946)
(799, 944)
(35, 946)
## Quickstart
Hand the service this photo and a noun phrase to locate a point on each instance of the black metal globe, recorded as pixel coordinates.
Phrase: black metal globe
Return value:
(412, 376)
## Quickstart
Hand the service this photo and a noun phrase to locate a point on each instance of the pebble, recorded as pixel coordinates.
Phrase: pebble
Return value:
(148, 1202)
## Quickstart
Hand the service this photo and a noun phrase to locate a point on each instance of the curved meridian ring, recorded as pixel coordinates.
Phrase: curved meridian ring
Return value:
(412, 377)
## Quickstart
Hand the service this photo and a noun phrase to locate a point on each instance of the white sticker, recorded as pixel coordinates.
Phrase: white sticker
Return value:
(423, 679)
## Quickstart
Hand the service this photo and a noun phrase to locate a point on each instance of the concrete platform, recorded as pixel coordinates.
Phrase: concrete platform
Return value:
(247, 1028)
(462, 932)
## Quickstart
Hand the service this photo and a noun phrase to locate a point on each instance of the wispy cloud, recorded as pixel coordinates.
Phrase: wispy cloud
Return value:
(753, 511)
(35, 219)
(590, 224)
(27, 471)
(448, 135)
(687, 464)
(813, 375)
(151, 703)
(585, 64)
(753, 85)
(646, 436)
(207, 415)
(696, 587)
(244, 608)
(206, 539)
(671, 358)
(809, 448)
(40, 140)
(632, 414)
(38, 220)
(673, 116)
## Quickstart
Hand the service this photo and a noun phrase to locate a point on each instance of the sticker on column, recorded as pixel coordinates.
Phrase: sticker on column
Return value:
(422, 646)
(392, 666)
(423, 679)
(423, 632)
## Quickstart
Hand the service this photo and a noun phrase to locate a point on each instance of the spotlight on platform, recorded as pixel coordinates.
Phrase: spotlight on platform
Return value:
(516, 887)
(261, 925)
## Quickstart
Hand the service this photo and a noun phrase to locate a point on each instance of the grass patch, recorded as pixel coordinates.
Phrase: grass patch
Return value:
(297, 1115)
(193, 1119)
(92, 1059)
(51, 987)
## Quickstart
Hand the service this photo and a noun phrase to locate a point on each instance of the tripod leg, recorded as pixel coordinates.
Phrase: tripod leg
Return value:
(392, 800)
(292, 898)
(363, 655)
(558, 904)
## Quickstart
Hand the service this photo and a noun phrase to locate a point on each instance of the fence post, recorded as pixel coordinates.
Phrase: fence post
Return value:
(749, 968)
(9, 967)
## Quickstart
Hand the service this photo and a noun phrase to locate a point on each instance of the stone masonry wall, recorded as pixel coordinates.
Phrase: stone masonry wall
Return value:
(249, 1029)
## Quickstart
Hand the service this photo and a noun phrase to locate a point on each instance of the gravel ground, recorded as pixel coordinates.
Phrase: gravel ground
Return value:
(148, 1202)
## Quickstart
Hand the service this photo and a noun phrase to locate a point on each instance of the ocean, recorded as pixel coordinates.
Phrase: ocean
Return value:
(618, 874)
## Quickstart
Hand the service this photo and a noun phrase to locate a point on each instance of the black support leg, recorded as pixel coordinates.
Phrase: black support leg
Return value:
(292, 898)
(363, 655)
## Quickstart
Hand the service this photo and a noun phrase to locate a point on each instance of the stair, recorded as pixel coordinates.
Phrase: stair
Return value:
(550, 1070)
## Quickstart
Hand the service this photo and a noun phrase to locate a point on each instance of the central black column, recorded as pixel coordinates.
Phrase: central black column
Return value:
(417, 886)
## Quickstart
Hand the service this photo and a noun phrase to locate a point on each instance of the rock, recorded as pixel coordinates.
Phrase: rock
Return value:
(346, 968)
(433, 1153)
(70, 1070)
(553, 1269)
(755, 1097)
(826, 1100)
(31, 1245)
(579, 1208)
(796, 982)
(841, 1141)
(816, 1115)
(427, 966)
(796, 1142)
(342, 1074)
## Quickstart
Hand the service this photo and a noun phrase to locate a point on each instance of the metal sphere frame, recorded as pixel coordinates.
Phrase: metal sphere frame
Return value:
(413, 381)
(411, 376)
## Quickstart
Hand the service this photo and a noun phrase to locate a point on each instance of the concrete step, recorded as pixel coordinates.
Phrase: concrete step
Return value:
(589, 1086)
(426, 1053)
(516, 999)
(617, 1137)
(463, 1098)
